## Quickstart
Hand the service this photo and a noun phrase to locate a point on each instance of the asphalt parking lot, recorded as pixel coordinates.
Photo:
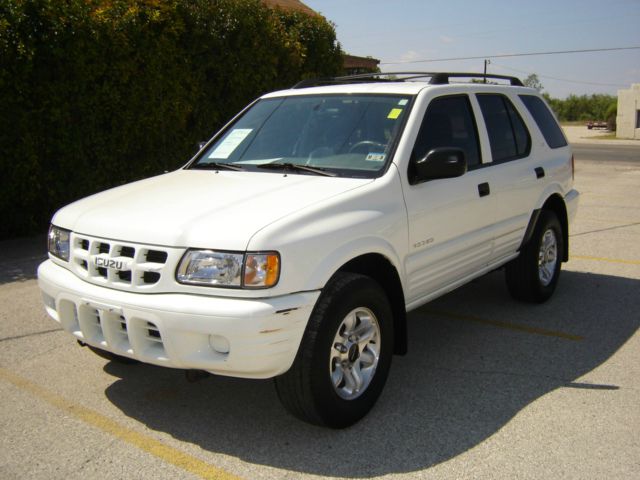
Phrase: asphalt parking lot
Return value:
(490, 388)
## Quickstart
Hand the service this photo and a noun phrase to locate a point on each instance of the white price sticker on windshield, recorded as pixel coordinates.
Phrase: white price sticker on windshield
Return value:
(230, 143)
(375, 157)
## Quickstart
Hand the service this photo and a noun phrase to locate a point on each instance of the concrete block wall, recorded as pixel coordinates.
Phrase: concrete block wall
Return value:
(628, 119)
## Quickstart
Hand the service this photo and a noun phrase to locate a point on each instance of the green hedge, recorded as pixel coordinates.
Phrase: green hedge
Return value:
(98, 93)
(583, 107)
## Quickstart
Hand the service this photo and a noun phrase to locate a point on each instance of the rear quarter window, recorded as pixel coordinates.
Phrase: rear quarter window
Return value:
(545, 120)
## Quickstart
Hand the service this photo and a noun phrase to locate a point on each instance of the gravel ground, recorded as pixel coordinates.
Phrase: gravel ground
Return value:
(581, 134)
(490, 389)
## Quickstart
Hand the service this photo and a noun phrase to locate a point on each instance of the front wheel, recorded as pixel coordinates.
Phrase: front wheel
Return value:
(344, 358)
(532, 277)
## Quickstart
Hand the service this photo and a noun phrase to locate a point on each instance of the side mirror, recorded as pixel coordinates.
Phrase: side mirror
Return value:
(443, 162)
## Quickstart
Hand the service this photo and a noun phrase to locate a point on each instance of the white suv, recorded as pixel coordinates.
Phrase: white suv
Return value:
(296, 240)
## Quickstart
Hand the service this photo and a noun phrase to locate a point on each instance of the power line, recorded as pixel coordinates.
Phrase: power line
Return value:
(561, 79)
(509, 55)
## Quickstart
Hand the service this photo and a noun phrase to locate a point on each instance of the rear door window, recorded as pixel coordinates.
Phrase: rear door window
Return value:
(508, 134)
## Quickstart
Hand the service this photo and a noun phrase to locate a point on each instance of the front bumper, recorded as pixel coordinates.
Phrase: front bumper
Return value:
(252, 338)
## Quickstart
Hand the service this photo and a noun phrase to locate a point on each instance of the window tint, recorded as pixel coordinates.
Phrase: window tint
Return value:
(449, 122)
(508, 135)
(545, 120)
(519, 130)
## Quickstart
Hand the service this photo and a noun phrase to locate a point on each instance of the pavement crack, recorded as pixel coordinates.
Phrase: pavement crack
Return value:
(26, 335)
(607, 229)
(505, 373)
(562, 382)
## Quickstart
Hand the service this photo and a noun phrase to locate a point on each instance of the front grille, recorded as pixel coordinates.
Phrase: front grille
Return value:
(113, 330)
(156, 256)
(118, 264)
(150, 278)
(153, 333)
(126, 275)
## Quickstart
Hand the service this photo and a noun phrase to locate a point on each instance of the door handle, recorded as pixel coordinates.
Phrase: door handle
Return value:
(484, 189)
(539, 172)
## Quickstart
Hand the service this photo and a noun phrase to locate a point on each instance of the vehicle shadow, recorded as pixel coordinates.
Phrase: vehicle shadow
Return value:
(19, 258)
(459, 384)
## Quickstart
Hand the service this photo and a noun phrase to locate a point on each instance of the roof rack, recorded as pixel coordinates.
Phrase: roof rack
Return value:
(437, 78)
(443, 78)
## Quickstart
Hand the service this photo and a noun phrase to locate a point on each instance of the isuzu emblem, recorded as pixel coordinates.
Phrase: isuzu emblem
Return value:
(112, 263)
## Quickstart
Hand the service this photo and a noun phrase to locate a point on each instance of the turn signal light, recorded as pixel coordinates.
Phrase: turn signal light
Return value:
(261, 270)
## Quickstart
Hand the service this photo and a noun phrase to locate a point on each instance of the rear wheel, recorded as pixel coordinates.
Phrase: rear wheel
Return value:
(533, 276)
(344, 358)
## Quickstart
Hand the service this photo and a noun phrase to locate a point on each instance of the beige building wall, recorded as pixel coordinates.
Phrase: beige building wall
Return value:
(628, 119)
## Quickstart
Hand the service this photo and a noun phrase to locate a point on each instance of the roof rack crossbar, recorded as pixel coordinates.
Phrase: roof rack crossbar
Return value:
(318, 82)
(443, 77)
(437, 78)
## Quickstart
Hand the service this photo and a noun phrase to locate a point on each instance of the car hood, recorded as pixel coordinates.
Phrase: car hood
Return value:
(199, 209)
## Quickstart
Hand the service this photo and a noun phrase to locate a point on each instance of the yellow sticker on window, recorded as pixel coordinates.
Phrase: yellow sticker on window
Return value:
(394, 113)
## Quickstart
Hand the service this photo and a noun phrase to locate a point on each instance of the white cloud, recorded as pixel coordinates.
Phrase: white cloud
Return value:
(409, 56)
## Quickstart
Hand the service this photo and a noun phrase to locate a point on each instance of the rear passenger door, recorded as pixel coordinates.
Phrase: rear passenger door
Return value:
(513, 173)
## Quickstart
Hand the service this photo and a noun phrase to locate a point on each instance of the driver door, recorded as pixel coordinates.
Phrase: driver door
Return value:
(450, 234)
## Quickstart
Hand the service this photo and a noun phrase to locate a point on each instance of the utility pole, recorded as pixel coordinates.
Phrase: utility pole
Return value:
(486, 62)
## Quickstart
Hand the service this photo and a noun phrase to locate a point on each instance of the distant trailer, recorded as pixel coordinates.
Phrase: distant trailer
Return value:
(591, 125)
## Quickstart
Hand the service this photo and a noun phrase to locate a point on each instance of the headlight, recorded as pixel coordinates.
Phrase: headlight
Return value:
(229, 269)
(58, 242)
(206, 267)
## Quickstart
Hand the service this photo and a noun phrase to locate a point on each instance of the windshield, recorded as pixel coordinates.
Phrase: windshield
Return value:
(348, 135)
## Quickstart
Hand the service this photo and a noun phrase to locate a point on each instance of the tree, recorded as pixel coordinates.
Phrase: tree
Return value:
(610, 116)
(533, 82)
(95, 93)
(584, 107)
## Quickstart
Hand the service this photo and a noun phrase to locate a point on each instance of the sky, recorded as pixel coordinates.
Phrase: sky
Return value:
(396, 31)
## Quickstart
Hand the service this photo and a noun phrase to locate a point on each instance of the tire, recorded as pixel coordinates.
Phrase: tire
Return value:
(349, 327)
(533, 276)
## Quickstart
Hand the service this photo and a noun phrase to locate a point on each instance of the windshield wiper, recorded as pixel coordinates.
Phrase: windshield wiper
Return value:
(217, 166)
(295, 166)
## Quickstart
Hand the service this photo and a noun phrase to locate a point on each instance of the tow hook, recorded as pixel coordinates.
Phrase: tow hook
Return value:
(193, 376)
